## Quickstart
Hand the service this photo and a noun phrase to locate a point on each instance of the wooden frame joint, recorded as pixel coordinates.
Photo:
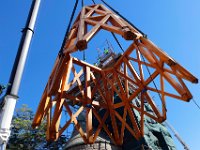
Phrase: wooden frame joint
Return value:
(171, 62)
(128, 34)
(81, 45)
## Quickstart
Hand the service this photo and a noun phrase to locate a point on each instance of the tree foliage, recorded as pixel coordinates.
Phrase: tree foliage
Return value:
(2, 88)
(23, 136)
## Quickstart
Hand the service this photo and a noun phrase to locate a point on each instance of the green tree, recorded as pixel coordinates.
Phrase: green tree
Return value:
(23, 136)
(2, 88)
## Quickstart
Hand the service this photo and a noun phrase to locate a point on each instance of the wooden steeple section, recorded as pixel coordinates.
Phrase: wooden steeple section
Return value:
(92, 89)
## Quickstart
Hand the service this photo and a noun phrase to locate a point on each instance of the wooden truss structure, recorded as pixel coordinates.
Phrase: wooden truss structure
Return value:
(93, 88)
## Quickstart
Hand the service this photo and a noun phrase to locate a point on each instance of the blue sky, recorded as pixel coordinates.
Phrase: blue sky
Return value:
(172, 25)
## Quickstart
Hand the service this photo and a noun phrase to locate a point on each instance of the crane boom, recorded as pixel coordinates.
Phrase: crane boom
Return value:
(9, 100)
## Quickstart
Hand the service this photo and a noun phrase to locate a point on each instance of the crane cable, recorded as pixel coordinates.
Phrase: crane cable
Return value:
(68, 27)
(144, 35)
(82, 3)
(137, 46)
(198, 106)
(114, 36)
(196, 103)
(93, 2)
(151, 76)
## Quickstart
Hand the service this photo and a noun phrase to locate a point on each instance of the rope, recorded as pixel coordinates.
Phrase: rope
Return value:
(93, 2)
(117, 41)
(68, 27)
(144, 35)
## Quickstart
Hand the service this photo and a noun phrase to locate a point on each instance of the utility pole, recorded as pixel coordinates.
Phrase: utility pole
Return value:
(177, 136)
(9, 100)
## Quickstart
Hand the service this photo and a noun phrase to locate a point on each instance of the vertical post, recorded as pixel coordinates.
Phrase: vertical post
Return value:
(89, 105)
(11, 96)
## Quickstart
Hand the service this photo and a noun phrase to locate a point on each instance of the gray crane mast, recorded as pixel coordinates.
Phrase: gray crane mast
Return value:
(9, 100)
